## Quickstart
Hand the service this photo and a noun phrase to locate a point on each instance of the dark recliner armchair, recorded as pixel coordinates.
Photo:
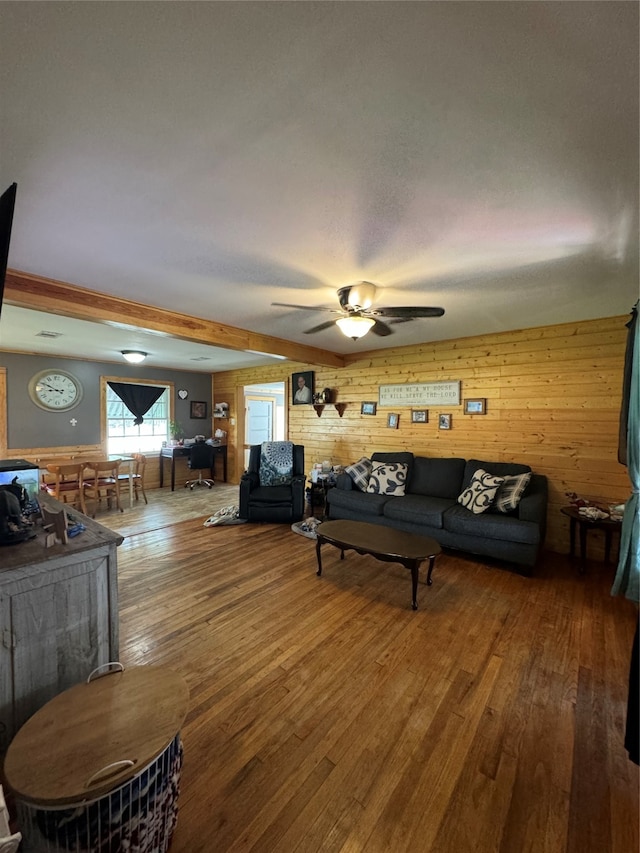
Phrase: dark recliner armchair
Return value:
(279, 503)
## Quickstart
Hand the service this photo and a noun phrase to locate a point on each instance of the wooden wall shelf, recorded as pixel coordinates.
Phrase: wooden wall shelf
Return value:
(339, 407)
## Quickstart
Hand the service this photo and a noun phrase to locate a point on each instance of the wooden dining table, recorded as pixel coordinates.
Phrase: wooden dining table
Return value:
(128, 461)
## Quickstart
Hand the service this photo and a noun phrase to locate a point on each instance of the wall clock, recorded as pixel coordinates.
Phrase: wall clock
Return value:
(55, 390)
(183, 394)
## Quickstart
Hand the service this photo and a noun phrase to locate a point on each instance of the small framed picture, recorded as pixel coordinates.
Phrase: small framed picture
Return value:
(393, 420)
(475, 407)
(198, 409)
(419, 416)
(444, 422)
(368, 408)
(302, 387)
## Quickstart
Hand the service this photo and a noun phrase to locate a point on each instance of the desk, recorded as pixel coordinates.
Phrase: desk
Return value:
(585, 524)
(173, 452)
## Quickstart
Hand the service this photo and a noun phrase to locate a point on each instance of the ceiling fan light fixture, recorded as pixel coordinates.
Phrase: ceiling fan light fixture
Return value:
(361, 295)
(133, 356)
(355, 327)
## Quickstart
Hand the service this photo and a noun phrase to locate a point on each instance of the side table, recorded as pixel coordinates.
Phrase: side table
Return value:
(317, 493)
(585, 524)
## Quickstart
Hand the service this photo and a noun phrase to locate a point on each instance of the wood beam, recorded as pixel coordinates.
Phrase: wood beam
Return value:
(57, 297)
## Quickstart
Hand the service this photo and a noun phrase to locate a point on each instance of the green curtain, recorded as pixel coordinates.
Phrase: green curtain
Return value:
(627, 579)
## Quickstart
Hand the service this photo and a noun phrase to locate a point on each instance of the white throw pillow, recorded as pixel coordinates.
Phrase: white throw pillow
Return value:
(388, 478)
(479, 494)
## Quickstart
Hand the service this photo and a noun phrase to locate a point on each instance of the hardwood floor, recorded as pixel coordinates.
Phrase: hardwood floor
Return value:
(326, 715)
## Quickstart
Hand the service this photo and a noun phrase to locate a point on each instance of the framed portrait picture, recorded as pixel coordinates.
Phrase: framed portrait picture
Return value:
(475, 407)
(302, 388)
(393, 420)
(444, 422)
(368, 408)
(198, 409)
(419, 416)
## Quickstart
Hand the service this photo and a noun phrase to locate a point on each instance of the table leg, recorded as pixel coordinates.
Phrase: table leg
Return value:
(161, 470)
(415, 570)
(607, 545)
(432, 561)
(583, 548)
(173, 473)
(318, 544)
(572, 537)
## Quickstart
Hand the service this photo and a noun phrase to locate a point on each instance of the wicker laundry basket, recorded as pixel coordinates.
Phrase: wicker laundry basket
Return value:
(98, 767)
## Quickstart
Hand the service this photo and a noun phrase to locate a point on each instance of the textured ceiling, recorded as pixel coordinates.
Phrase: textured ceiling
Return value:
(213, 158)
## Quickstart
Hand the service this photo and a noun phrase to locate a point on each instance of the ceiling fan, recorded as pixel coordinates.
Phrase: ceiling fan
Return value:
(357, 316)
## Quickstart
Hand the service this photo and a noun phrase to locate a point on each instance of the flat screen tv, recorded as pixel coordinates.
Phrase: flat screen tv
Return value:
(7, 205)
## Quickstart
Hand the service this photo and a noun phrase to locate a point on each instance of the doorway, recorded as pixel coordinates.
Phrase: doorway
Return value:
(264, 415)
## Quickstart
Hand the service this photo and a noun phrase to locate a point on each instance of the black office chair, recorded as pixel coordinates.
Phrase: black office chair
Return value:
(200, 458)
(278, 503)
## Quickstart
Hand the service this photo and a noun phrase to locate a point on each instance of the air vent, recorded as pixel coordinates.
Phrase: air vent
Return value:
(200, 358)
(45, 334)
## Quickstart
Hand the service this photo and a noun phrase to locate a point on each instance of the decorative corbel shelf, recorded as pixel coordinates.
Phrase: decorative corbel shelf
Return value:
(339, 407)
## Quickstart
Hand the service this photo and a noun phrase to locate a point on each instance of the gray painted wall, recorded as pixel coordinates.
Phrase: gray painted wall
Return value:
(30, 426)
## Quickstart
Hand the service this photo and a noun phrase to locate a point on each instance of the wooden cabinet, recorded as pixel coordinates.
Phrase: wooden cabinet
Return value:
(58, 617)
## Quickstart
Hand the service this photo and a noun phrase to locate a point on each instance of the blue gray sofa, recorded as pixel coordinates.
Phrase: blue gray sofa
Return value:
(429, 507)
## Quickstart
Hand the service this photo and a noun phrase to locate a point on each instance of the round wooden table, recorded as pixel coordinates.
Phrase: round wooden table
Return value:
(584, 524)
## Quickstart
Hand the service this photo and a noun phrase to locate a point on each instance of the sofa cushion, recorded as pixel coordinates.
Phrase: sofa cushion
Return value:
(459, 520)
(417, 509)
(360, 472)
(498, 469)
(479, 494)
(356, 501)
(512, 489)
(388, 478)
(437, 478)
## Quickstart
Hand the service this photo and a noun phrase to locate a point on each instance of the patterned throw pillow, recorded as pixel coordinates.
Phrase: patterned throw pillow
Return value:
(510, 492)
(479, 494)
(388, 478)
(360, 472)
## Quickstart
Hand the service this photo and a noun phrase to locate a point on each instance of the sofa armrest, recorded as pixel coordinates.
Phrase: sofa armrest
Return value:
(344, 482)
(248, 482)
(533, 506)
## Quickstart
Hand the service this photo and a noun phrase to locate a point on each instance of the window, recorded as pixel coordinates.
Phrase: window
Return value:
(123, 436)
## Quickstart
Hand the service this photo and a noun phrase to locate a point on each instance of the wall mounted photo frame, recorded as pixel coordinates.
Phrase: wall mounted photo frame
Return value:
(444, 422)
(368, 408)
(476, 407)
(302, 388)
(419, 416)
(198, 409)
(393, 419)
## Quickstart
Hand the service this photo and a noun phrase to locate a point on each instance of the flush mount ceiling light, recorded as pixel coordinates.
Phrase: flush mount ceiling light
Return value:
(133, 356)
(355, 326)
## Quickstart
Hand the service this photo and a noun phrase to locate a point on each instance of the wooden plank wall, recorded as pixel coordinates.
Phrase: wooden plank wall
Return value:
(553, 399)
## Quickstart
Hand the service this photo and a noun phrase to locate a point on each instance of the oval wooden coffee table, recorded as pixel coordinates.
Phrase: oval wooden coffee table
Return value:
(383, 543)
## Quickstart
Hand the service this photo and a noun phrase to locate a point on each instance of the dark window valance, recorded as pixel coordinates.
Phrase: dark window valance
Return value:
(137, 398)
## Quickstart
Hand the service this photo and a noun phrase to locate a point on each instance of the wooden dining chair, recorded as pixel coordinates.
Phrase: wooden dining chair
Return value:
(137, 476)
(101, 481)
(66, 485)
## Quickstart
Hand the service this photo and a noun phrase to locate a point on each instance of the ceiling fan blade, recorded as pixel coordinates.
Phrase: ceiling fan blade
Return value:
(304, 307)
(406, 312)
(320, 328)
(381, 329)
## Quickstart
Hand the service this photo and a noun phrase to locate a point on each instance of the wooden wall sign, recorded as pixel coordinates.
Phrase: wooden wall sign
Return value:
(422, 394)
